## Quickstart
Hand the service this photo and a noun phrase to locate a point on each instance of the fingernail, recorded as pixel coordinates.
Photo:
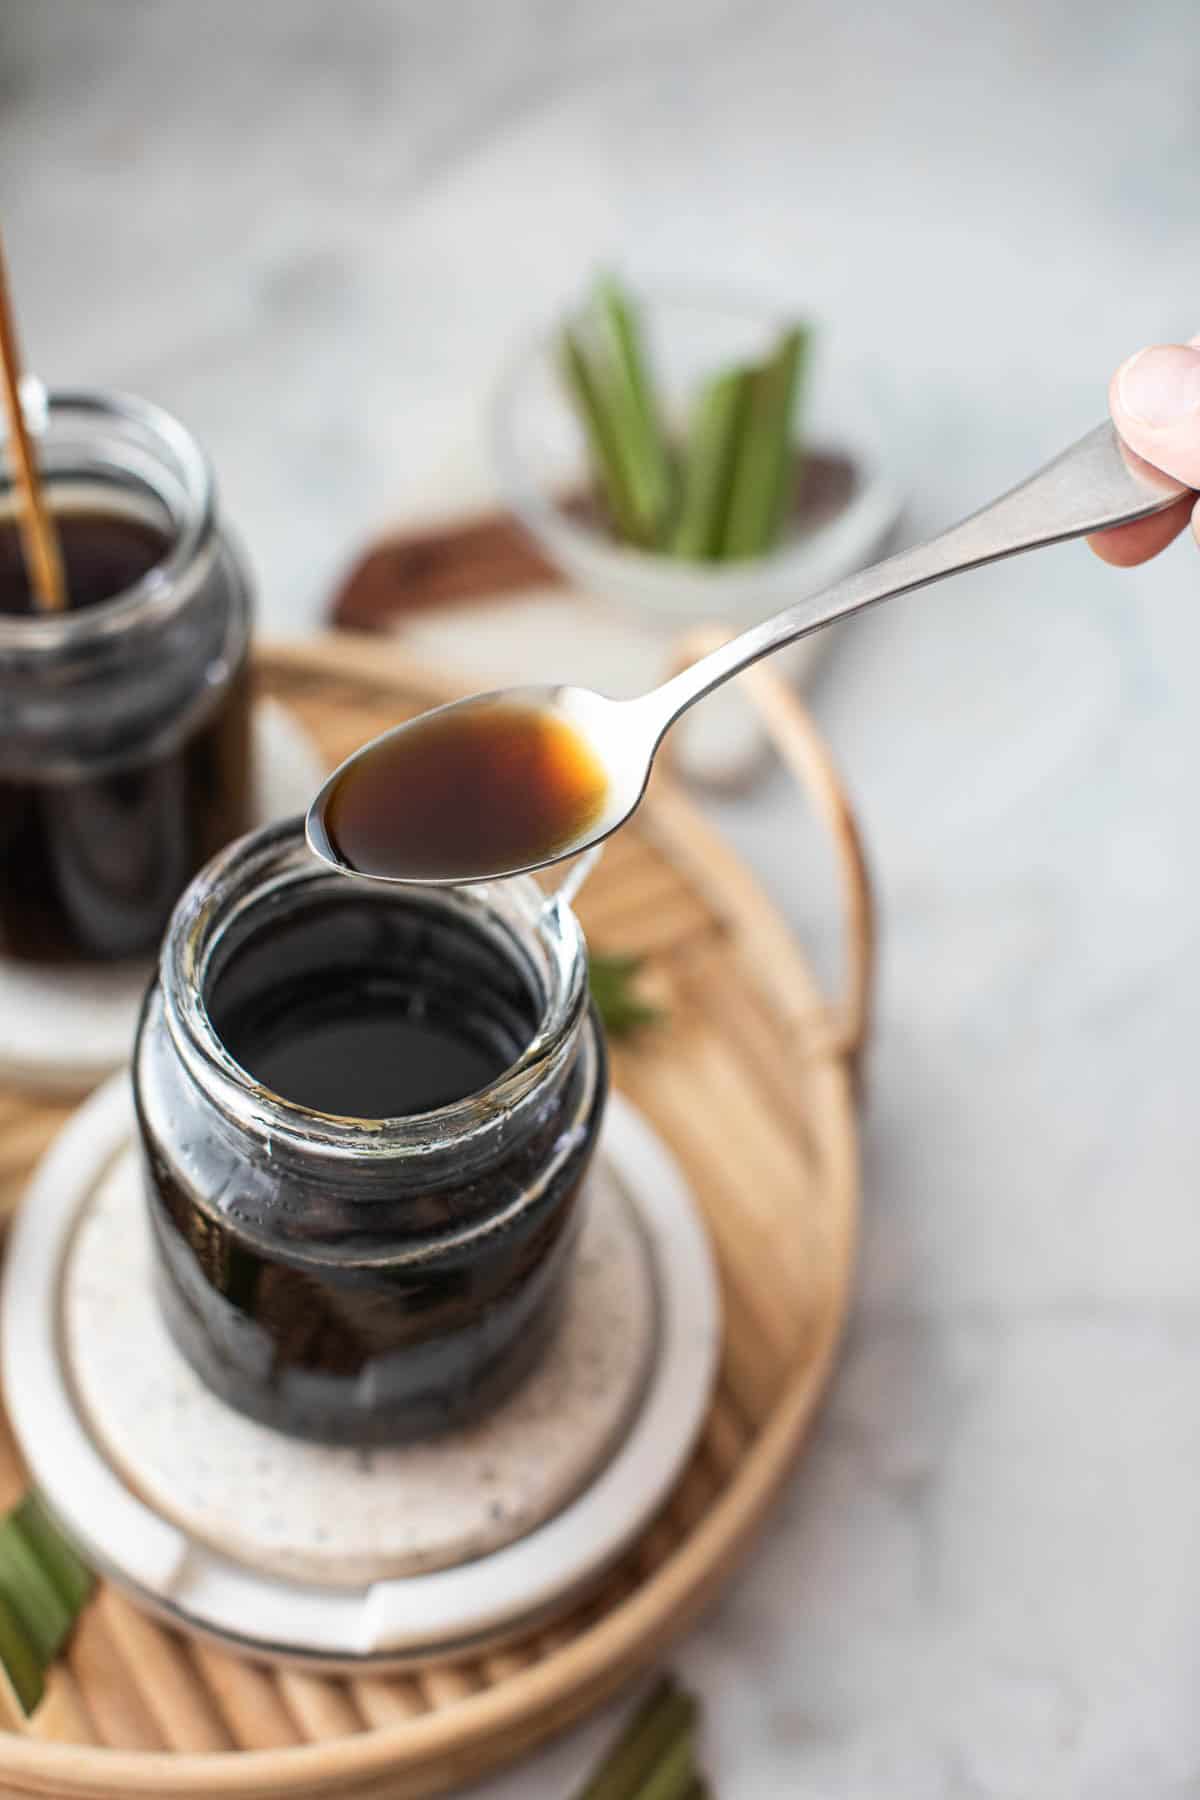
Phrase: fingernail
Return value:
(1161, 386)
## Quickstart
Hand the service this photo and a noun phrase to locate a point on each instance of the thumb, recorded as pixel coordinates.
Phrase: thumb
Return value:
(1155, 404)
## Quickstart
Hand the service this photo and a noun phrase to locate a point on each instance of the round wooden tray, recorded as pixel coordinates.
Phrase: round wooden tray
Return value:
(750, 1080)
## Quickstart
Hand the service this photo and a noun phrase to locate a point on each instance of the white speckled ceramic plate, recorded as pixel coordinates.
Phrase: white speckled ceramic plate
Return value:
(64, 1029)
(343, 1516)
(386, 1621)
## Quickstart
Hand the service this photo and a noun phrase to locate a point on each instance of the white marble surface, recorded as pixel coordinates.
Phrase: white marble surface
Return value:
(313, 230)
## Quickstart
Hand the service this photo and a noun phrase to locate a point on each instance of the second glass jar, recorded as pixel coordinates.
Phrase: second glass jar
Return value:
(125, 720)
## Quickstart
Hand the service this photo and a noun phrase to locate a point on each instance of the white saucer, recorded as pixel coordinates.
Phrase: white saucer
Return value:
(388, 1621)
(64, 1029)
(345, 1517)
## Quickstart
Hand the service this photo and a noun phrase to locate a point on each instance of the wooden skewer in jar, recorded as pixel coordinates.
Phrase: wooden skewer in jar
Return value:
(39, 537)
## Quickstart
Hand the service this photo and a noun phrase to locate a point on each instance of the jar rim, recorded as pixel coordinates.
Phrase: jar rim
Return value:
(165, 587)
(255, 870)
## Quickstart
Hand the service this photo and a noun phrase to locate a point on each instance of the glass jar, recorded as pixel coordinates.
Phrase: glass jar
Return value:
(124, 726)
(364, 1280)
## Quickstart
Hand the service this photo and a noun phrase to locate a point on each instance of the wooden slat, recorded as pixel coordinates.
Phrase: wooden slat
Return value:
(694, 1495)
(768, 1052)
(556, 1637)
(725, 1434)
(115, 1704)
(159, 1668)
(675, 921)
(607, 899)
(655, 1545)
(13, 1479)
(62, 1716)
(502, 1665)
(759, 1152)
(387, 1701)
(446, 1684)
(620, 1586)
(731, 1150)
(630, 856)
(769, 1308)
(247, 1699)
(25, 1136)
(320, 1707)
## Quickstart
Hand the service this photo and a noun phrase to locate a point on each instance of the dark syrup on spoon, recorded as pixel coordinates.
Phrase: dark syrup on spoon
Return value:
(466, 793)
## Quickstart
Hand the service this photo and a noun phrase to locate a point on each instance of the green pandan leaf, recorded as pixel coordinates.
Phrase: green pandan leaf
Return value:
(31, 1593)
(71, 1577)
(21, 1662)
(613, 981)
(43, 1585)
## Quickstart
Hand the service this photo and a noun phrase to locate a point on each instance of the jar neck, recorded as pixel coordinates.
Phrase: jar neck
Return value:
(130, 675)
(120, 453)
(272, 877)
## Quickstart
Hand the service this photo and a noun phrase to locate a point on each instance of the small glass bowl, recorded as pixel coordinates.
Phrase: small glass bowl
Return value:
(541, 460)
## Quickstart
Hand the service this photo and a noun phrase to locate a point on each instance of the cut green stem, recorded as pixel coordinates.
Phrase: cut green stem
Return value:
(603, 449)
(762, 478)
(726, 490)
(673, 1774)
(661, 1723)
(709, 461)
(641, 445)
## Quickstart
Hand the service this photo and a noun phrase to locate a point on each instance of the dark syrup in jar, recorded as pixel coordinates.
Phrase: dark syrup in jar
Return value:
(385, 1014)
(103, 554)
(465, 793)
(371, 1008)
(90, 866)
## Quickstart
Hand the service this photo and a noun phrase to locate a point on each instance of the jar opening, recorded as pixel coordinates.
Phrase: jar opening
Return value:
(249, 955)
(111, 536)
(371, 1005)
(112, 454)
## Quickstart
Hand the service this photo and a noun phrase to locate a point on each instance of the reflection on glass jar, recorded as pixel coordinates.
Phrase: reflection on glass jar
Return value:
(124, 722)
(366, 1113)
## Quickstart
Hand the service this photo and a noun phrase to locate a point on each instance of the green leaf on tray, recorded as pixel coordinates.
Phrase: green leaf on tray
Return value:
(43, 1586)
(674, 1775)
(652, 1759)
(31, 1593)
(613, 981)
(71, 1577)
(22, 1664)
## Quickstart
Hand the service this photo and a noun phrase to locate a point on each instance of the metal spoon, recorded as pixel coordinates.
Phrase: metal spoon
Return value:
(1096, 484)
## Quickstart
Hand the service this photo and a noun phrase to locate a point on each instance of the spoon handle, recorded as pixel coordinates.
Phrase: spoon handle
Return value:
(1095, 484)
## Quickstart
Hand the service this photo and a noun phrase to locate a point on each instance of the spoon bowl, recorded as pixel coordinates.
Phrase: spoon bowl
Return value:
(524, 777)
